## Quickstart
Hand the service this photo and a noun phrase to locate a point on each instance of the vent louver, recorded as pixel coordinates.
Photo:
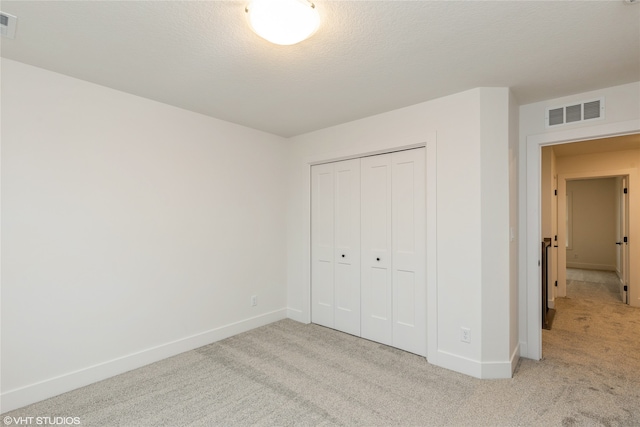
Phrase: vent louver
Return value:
(592, 110)
(575, 113)
(8, 25)
(556, 116)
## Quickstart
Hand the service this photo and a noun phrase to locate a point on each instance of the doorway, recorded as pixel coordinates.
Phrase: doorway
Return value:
(592, 229)
(531, 343)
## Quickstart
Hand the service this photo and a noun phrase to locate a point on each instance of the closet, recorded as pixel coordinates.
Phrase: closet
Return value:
(368, 248)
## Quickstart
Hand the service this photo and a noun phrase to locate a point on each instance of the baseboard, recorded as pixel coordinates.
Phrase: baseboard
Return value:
(515, 358)
(457, 363)
(475, 368)
(551, 303)
(297, 315)
(524, 349)
(17, 398)
(497, 370)
(587, 266)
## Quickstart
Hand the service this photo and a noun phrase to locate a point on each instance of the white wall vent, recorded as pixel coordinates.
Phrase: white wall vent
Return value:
(575, 113)
(8, 25)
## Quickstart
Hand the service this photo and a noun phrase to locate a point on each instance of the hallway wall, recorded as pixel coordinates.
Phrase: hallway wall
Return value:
(592, 224)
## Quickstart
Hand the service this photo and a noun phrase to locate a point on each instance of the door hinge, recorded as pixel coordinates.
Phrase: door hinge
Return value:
(556, 283)
(625, 288)
(625, 239)
(555, 237)
(624, 191)
(555, 192)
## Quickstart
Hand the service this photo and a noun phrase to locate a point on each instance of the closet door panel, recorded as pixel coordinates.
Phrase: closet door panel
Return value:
(409, 251)
(404, 298)
(377, 308)
(347, 246)
(322, 245)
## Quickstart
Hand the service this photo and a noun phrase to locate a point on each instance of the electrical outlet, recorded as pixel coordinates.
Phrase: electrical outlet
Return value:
(254, 300)
(465, 335)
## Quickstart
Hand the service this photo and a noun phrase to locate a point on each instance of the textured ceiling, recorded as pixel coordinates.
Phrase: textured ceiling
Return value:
(366, 58)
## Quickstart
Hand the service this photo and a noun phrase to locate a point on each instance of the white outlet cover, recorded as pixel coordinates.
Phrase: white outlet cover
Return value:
(465, 335)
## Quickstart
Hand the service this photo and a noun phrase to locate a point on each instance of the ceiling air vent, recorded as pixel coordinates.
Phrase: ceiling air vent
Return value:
(8, 25)
(575, 113)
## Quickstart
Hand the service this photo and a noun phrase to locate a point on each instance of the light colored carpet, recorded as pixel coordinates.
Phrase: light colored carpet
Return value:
(288, 373)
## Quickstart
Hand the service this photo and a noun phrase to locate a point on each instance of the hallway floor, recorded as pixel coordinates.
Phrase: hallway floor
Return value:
(593, 284)
(594, 341)
(593, 327)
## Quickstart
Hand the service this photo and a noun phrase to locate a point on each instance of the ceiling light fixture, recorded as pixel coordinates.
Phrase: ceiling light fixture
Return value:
(283, 22)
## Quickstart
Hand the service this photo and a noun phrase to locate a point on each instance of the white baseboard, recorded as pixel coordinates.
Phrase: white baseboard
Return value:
(17, 398)
(297, 315)
(475, 368)
(588, 266)
(552, 304)
(515, 358)
(524, 349)
(457, 363)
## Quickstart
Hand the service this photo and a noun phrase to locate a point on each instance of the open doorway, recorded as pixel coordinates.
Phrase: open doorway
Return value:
(594, 228)
(530, 264)
(584, 189)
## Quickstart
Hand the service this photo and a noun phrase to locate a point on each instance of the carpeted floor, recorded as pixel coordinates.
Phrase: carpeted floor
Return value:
(288, 373)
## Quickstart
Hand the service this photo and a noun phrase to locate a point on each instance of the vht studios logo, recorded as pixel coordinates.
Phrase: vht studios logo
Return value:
(41, 421)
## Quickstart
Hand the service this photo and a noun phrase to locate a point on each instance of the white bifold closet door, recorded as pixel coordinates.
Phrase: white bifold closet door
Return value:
(335, 245)
(393, 286)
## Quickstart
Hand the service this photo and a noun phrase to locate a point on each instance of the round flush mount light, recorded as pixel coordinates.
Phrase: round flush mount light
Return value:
(283, 22)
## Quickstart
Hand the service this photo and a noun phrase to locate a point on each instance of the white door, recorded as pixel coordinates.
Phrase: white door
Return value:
(555, 265)
(322, 245)
(335, 245)
(376, 295)
(409, 251)
(625, 245)
(347, 246)
(368, 248)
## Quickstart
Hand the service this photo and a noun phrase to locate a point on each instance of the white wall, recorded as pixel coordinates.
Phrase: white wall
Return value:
(131, 231)
(593, 224)
(495, 112)
(622, 115)
(468, 133)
